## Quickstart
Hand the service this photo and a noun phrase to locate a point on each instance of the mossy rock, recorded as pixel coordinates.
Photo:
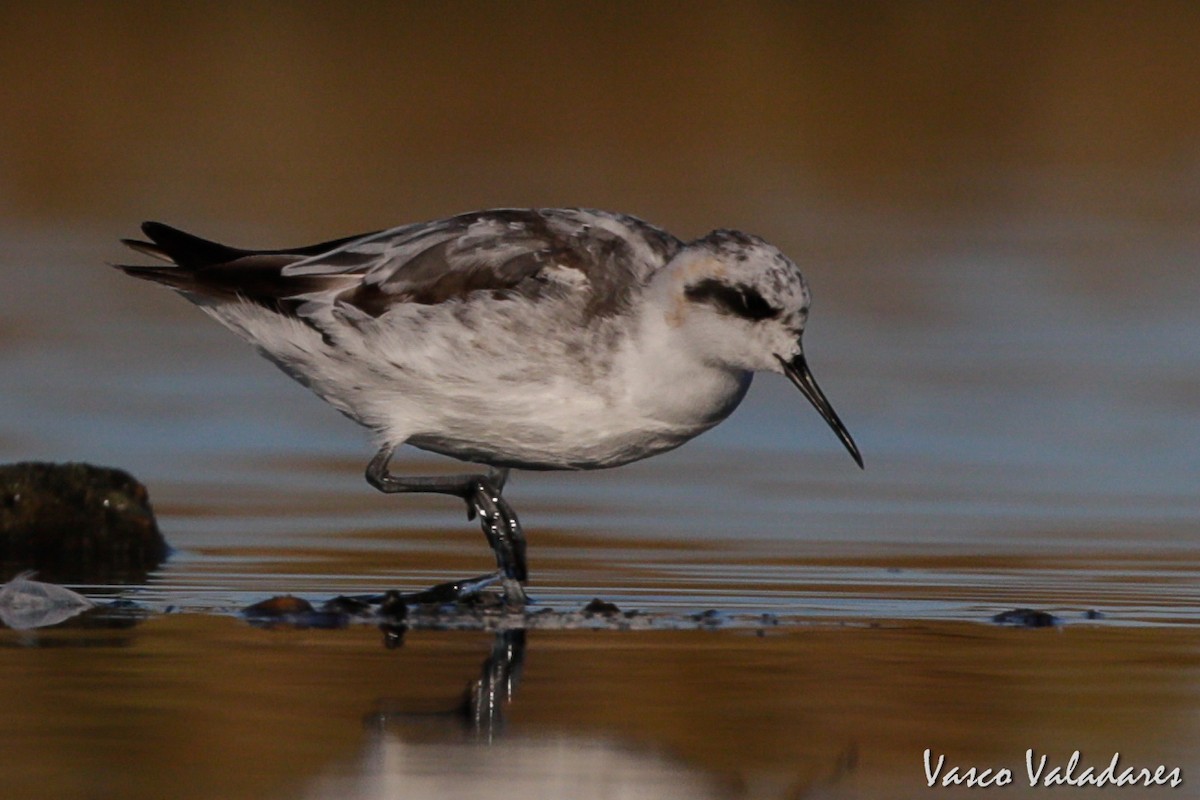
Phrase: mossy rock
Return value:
(76, 522)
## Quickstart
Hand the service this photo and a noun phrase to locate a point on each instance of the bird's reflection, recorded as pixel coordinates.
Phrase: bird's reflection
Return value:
(488, 698)
(462, 751)
(480, 716)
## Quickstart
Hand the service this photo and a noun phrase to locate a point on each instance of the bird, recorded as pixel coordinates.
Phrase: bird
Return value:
(511, 338)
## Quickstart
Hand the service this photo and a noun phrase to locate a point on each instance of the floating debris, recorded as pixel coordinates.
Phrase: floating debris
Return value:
(292, 612)
(601, 607)
(284, 605)
(26, 603)
(350, 606)
(397, 612)
(1026, 618)
(393, 607)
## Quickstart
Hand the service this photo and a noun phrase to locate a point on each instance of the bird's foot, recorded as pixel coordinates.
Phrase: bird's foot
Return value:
(453, 592)
(513, 591)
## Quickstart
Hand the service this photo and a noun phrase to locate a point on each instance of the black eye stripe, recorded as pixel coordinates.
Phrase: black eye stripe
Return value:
(742, 301)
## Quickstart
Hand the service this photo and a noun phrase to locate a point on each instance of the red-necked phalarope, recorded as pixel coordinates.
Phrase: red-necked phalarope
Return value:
(530, 338)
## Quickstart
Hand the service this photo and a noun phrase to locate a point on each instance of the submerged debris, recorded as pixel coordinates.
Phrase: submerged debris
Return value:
(393, 606)
(284, 605)
(397, 612)
(292, 612)
(1026, 618)
(350, 606)
(26, 603)
(601, 607)
(76, 522)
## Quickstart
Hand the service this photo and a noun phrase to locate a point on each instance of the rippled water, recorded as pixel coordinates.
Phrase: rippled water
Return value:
(995, 207)
(1036, 450)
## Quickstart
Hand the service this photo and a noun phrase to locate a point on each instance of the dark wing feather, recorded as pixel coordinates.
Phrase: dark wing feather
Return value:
(192, 252)
(208, 270)
(189, 251)
(503, 251)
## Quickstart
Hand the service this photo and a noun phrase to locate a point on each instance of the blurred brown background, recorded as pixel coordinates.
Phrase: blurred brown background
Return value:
(299, 121)
(996, 205)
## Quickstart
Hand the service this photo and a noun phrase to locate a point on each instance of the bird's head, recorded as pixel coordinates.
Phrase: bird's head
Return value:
(743, 305)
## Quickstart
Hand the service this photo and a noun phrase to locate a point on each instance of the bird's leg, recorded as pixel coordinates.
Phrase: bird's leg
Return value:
(498, 477)
(482, 495)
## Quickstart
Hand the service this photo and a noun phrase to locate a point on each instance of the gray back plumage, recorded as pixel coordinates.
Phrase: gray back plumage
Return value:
(508, 252)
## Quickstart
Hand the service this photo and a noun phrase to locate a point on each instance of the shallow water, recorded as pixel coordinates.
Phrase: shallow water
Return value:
(1040, 457)
(996, 210)
(193, 706)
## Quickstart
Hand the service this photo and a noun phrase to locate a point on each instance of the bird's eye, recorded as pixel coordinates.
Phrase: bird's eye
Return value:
(742, 301)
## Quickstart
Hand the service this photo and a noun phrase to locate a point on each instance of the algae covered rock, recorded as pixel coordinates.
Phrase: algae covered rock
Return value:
(76, 522)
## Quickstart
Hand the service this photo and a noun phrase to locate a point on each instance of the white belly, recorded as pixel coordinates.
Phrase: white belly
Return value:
(584, 400)
(579, 430)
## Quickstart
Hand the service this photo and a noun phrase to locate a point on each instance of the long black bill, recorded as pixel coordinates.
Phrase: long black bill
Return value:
(797, 370)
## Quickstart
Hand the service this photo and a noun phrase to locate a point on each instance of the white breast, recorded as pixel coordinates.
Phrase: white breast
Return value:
(512, 383)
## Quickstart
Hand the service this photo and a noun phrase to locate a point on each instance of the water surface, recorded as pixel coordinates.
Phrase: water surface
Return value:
(1039, 457)
(995, 208)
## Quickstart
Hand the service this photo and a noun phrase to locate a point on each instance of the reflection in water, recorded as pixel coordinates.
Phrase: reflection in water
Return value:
(833, 711)
(481, 713)
(487, 697)
(26, 603)
(460, 752)
(553, 767)
(435, 756)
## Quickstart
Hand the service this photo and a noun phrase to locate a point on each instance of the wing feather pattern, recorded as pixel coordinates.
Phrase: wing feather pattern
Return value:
(505, 252)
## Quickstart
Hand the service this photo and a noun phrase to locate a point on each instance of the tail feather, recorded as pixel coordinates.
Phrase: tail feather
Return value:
(207, 271)
(187, 254)
(176, 278)
(184, 249)
(148, 249)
